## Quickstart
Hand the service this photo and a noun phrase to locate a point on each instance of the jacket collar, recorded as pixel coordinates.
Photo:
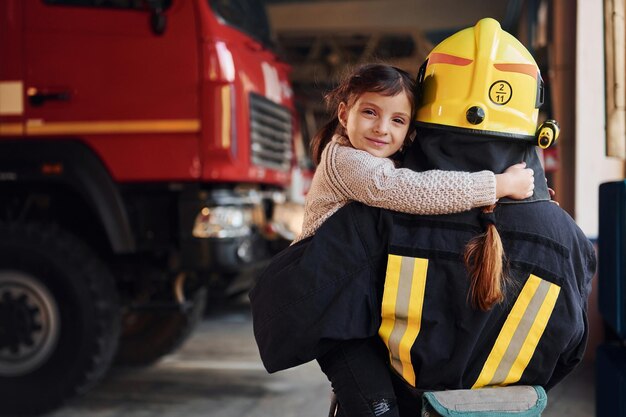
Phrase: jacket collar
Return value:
(436, 147)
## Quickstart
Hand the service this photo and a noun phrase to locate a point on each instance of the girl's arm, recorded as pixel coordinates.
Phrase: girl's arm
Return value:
(377, 182)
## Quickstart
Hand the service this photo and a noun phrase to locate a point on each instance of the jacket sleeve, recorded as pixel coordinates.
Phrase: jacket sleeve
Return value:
(585, 266)
(569, 359)
(318, 290)
(375, 181)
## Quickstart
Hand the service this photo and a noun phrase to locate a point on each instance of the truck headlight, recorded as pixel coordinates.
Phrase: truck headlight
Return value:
(222, 222)
(287, 220)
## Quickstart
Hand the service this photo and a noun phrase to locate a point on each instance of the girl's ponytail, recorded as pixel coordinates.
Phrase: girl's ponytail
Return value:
(321, 139)
(484, 259)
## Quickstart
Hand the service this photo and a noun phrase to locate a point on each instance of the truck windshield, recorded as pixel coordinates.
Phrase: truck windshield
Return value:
(110, 4)
(247, 16)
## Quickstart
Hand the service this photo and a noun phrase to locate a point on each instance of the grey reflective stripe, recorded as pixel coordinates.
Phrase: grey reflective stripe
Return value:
(520, 334)
(517, 341)
(401, 312)
(403, 299)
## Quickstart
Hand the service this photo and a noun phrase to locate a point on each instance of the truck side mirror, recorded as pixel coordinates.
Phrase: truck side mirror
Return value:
(158, 21)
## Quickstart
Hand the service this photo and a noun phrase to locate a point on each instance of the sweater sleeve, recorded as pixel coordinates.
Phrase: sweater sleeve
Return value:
(376, 182)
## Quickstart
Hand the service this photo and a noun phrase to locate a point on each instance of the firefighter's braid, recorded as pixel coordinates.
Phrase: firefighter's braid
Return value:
(484, 259)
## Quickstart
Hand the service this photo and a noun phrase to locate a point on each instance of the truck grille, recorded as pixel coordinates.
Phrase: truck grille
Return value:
(270, 133)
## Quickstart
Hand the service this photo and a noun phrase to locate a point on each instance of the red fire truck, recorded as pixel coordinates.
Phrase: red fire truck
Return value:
(145, 146)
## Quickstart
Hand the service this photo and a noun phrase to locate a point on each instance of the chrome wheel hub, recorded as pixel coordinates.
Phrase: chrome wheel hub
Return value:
(29, 323)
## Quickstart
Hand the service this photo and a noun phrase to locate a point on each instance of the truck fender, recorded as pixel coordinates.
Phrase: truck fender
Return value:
(76, 165)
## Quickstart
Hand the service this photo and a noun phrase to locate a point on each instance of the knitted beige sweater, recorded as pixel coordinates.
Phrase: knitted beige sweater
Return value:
(347, 174)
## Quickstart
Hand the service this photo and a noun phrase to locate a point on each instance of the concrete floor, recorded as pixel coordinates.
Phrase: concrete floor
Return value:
(575, 396)
(218, 373)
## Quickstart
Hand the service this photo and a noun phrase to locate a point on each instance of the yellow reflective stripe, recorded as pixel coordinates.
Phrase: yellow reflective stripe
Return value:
(388, 309)
(39, 127)
(402, 304)
(531, 342)
(402, 301)
(520, 334)
(226, 115)
(414, 319)
(506, 333)
(10, 129)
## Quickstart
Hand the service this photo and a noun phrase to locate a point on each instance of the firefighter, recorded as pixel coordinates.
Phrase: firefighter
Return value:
(490, 297)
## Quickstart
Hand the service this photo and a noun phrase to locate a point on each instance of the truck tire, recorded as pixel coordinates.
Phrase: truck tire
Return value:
(149, 335)
(59, 318)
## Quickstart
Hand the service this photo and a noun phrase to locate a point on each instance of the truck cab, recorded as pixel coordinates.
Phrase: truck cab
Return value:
(145, 150)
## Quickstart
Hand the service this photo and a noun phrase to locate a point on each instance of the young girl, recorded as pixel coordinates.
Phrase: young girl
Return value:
(356, 152)
(373, 112)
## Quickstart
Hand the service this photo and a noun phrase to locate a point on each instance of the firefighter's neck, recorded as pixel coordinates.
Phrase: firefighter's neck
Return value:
(454, 151)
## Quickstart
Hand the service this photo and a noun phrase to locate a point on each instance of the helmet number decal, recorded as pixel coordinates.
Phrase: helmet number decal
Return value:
(500, 92)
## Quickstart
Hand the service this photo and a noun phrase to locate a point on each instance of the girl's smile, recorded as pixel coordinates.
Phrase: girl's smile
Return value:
(377, 142)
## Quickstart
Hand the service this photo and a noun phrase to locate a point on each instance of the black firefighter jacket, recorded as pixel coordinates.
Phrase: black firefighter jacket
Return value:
(369, 271)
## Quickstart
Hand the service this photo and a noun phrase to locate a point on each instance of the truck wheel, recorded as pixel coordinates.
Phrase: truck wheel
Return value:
(149, 335)
(59, 318)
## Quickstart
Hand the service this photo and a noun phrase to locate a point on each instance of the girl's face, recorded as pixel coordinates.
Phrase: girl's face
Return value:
(377, 123)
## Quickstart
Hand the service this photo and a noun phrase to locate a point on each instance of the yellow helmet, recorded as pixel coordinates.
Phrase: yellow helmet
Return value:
(482, 79)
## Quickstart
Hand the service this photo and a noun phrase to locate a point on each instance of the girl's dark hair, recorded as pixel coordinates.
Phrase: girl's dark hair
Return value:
(368, 78)
(484, 259)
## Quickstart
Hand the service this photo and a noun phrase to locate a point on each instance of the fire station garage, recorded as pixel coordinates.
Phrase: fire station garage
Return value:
(156, 157)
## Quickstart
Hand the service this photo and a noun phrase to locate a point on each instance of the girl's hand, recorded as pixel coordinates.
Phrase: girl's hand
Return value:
(517, 182)
(552, 194)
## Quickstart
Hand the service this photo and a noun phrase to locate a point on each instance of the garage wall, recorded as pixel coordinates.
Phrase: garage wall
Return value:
(593, 167)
